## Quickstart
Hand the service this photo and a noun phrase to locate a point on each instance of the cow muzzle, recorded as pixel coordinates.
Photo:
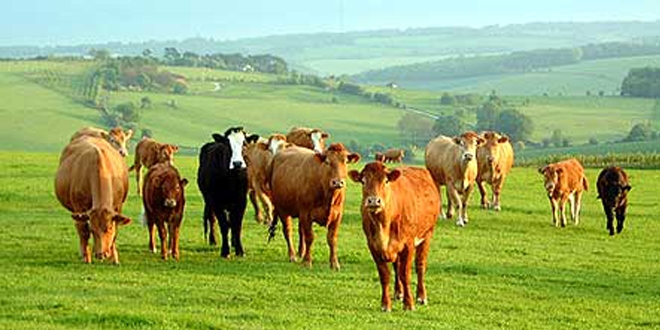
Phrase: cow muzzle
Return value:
(468, 156)
(102, 255)
(237, 165)
(373, 202)
(170, 202)
(337, 183)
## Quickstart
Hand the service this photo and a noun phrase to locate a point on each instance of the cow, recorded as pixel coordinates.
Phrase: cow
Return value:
(379, 157)
(452, 163)
(565, 181)
(222, 180)
(164, 201)
(393, 155)
(92, 183)
(308, 138)
(311, 187)
(494, 161)
(258, 157)
(613, 187)
(149, 152)
(116, 137)
(399, 209)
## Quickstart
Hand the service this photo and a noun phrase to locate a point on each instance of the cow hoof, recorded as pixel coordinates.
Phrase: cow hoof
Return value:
(497, 208)
(422, 301)
(386, 309)
(398, 296)
(460, 223)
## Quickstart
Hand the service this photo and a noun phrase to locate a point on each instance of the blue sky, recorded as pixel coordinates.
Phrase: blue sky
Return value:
(46, 22)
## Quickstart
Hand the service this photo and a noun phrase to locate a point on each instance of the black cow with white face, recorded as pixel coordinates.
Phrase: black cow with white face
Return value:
(222, 179)
(613, 187)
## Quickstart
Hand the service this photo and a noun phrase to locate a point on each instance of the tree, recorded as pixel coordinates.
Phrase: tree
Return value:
(146, 53)
(99, 54)
(557, 138)
(515, 124)
(128, 112)
(487, 115)
(447, 99)
(642, 82)
(145, 102)
(415, 129)
(640, 132)
(449, 126)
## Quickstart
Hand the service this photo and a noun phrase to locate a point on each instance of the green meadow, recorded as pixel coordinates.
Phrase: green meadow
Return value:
(506, 270)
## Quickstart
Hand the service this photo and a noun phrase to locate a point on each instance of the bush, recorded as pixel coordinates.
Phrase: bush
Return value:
(180, 88)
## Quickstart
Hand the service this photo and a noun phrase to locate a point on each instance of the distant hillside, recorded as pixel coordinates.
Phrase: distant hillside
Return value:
(352, 52)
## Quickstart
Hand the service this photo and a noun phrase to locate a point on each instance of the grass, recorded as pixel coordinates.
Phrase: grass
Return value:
(504, 270)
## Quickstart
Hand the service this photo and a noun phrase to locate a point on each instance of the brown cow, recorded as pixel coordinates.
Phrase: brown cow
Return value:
(310, 186)
(564, 181)
(92, 183)
(116, 137)
(149, 152)
(258, 157)
(308, 138)
(452, 163)
(163, 201)
(399, 212)
(379, 156)
(393, 155)
(494, 159)
(613, 187)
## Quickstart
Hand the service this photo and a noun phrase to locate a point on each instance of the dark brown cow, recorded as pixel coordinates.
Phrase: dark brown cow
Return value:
(308, 138)
(258, 157)
(399, 212)
(92, 183)
(310, 186)
(164, 201)
(494, 159)
(393, 155)
(565, 181)
(149, 152)
(613, 187)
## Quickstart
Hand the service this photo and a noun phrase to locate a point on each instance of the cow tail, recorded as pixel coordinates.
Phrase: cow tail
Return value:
(585, 183)
(272, 228)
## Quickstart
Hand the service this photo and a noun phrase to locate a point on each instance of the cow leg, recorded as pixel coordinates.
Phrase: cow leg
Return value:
(398, 284)
(620, 217)
(162, 234)
(236, 223)
(151, 228)
(384, 276)
(333, 230)
(224, 231)
(306, 226)
(610, 218)
(173, 227)
(497, 190)
(554, 205)
(301, 241)
(257, 211)
(84, 233)
(562, 210)
(209, 222)
(464, 203)
(484, 194)
(571, 205)
(138, 178)
(267, 205)
(404, 265)
(577, 206)
(421, 253)
(452, 198)
(287, 224)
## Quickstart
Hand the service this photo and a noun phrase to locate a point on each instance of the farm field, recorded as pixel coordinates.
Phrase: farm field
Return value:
(507, 270)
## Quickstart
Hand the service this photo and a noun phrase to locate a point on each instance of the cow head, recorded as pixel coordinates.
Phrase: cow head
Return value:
(171, 189)
(318, 139)
(276, 142)
(334, 160)
(375, 179)
(118, 139)
(489, 151)
(551, 176)
(468, 143)
(236, 139)
(103, 223)
(166, 153)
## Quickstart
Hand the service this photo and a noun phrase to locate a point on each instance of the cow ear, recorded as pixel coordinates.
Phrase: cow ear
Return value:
(183, 182)
(480, 141)
(457, 140)
(80, 216)
(503, 139)
(175, 148)
(320, 157)
(128, 134)
(353, 158)
(559, 170)
(121, 220)
(220, 138)
(627, 188)
(252, 138)
(355, 176)
(392, 176)
(325, 135)
(542, 169)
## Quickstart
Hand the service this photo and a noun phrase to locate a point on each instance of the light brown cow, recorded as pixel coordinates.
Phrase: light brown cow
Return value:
(311, 187)
(495, 159)
(116, 137)
(92, 183)
(393, 155)
(164, 200)
(565, 181)
(400, 208)
(308, 138)
(149, 152)
(258, 157)
(453, 163)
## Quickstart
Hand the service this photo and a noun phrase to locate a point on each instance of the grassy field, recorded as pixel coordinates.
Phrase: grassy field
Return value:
(507, 270)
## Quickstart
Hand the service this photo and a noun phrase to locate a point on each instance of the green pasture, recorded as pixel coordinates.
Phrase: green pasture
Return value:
(506, 270)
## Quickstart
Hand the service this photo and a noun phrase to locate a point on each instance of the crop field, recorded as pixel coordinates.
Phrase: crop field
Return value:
(506, 270)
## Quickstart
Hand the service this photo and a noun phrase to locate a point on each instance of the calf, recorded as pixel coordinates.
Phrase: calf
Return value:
(452, 163)
(393, 155)
(116, 137)
(149, 152)
(308, 138)
(163, 201)
(613, 187)
(310, 186)
(565, 181)
(399, 212)
(258, 157)
(222, 179)
(494, 160)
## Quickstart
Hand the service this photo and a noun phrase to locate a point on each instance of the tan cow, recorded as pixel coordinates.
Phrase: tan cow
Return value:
(565, 181)
(453, 163)
(495, 159)
(400, 208)
(149, 152)
(311, 187)
(258, 157)
(92, 183)
(393, 155)
(308, 138)
(116, 137)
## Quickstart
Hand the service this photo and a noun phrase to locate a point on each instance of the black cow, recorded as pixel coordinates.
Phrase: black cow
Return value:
(222, 179)
(613, 188)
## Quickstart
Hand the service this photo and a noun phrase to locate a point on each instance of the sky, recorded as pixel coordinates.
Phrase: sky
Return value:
(71, 22)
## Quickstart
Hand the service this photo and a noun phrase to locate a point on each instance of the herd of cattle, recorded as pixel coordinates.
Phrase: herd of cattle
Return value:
(296, 176)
